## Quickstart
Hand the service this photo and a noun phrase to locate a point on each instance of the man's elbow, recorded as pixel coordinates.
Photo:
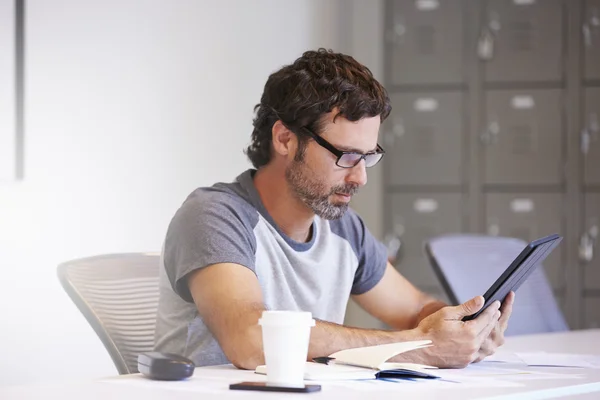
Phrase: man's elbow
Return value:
(245, 354)
(246, 362)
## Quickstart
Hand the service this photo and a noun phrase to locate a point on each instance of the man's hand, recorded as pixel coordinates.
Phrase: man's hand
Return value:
(496, 337)
(456, 344)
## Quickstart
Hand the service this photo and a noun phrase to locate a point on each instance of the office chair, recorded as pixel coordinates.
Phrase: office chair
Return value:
(467, 265)
(118, 295)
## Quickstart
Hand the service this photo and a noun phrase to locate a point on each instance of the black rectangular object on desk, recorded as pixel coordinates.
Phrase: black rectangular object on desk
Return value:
(267, 387)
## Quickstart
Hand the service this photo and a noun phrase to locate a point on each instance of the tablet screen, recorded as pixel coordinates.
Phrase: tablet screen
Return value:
(519, 270)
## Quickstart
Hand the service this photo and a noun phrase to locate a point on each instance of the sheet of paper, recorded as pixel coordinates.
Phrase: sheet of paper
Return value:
(559, 360)
(545, 359)
(418, 385)
(477, 377)
(323, 372)
(478, 373)
(504, 357)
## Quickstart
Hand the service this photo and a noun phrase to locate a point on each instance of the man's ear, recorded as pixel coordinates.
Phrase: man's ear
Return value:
(285, 141)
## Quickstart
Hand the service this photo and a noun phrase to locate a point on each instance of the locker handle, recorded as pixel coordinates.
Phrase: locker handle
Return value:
(590, 133)
(487, 37)
(587, 244)
(589, 27)
(586, 138)
(485, 44)
(490, 135)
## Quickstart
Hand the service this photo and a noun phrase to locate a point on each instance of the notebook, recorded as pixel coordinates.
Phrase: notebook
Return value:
(366, 363)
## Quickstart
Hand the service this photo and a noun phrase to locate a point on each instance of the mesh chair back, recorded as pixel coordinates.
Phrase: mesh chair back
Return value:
(118, 295)
(467, 265)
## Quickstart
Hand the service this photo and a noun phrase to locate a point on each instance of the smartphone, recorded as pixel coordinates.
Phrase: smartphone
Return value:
(269, 387)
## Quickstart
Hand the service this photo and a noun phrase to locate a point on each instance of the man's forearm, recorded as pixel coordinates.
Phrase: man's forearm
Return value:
(326, 338)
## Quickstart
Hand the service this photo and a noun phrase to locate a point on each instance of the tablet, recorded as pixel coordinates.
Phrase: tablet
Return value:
(519, 270)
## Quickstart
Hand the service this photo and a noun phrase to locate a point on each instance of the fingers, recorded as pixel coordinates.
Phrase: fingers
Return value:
(490, 338)
(506, 309)
(491, 325)
(486, 318)
(467, 308)
(490, 343)
(494, 337)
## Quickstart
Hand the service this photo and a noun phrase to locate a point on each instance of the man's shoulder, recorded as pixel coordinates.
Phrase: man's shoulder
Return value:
(221, 200)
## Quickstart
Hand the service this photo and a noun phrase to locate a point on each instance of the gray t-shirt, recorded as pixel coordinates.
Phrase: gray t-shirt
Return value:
(227, 223)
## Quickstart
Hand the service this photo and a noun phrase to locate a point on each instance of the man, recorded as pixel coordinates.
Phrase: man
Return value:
(283, 237)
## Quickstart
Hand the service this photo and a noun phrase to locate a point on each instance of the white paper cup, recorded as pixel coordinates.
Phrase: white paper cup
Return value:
(286, 335)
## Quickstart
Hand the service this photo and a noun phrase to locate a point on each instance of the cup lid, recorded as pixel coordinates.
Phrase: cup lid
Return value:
(279, 318)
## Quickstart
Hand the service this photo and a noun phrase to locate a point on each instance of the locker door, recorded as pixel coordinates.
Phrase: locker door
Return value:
(426, 42)
(590, 136)
(521, 40)
(592, 312)
(522, 137)
(591, 39)
(529, 217)
(425, 139)
(416, 218)
(590, 242)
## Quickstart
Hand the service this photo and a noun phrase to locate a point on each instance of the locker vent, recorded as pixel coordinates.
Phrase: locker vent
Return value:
(522, 36)
(425, 141)
(425, 40)
(523, 139)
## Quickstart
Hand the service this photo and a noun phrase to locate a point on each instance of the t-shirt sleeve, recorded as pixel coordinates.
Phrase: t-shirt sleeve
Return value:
(371, 254)
(209, 228)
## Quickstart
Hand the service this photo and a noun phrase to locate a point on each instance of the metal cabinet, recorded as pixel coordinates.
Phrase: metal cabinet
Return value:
(529, 216)
(415, 219)
(425, 136)
(591, 39)
(590, 136)
(521, 40)
(425, 41)
(589, 245)
(522, 137)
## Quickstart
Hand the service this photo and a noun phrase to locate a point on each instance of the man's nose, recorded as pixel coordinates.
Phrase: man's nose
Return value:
(358, 174)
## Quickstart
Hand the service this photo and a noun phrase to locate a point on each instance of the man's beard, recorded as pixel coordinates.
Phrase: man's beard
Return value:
(314, 193)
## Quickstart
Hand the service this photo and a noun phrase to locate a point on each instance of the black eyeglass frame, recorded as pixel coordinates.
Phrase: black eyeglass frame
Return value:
(339, 153)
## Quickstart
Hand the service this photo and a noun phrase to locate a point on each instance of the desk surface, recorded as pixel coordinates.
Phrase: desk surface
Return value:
(212, 382)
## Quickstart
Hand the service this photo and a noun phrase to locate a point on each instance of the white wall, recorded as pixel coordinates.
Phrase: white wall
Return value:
(130, 105)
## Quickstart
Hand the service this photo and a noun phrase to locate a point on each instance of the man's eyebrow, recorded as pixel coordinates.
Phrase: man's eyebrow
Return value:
(355, 150)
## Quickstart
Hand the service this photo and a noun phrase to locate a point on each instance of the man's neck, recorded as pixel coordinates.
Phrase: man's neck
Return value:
(290, 214)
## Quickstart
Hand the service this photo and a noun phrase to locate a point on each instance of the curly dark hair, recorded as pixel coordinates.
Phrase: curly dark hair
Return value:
(315, 84)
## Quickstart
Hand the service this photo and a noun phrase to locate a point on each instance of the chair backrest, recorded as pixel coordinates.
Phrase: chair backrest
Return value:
(467, 265)
(118, 295)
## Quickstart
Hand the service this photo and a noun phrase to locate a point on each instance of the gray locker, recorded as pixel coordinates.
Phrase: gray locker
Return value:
(589, 242)
(591, 39)
(522, 137)
(590, 136)
(415, 219)
(521, 40)
(424, 137)
(529, 216)
(591, 307)
(426, 41)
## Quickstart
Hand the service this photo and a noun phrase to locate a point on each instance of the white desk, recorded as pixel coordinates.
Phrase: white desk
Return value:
(212, 383)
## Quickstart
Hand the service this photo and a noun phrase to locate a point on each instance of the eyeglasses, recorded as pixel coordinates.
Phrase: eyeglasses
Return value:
(348, 159)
